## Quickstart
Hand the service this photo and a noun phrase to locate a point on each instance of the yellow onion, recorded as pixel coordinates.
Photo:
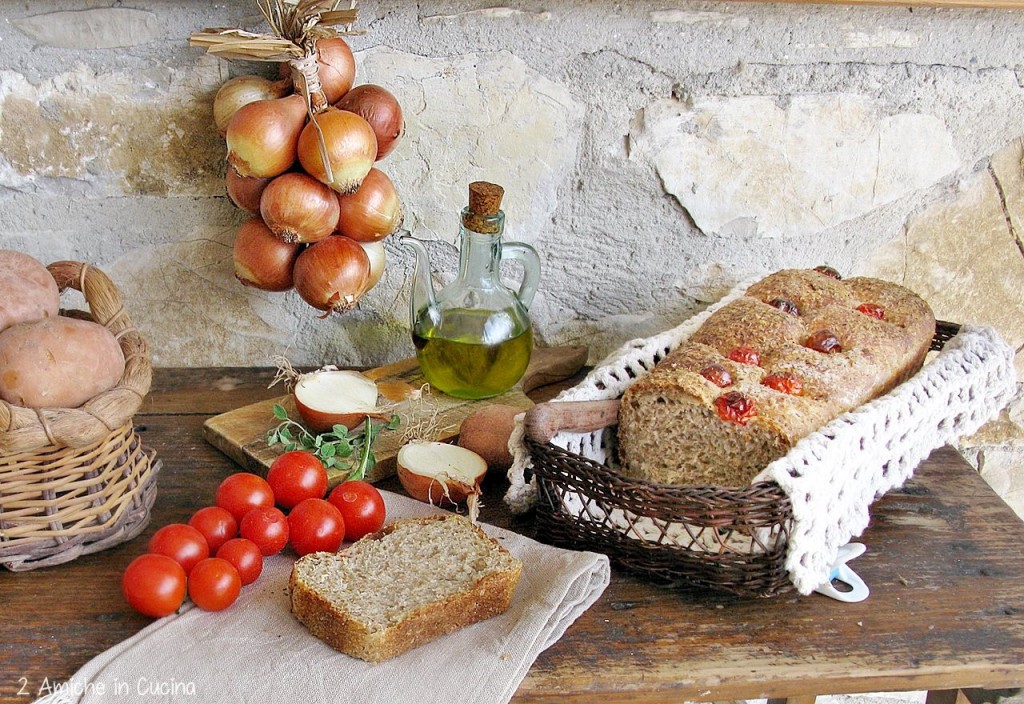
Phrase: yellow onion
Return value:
(380, 108)
(373, 211)
(336, 67)
(378, 259)
(246, 192)
(262, 260)
(298, 208)
(351, 148)
(263, 136)
(242, 90)
(331, 274)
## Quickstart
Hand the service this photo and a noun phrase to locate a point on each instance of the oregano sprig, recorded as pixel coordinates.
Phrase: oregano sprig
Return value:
(339, 448)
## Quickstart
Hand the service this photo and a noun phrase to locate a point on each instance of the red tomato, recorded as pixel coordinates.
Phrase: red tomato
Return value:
(183, 544)
(216, 524)
(315, 525)
(242, 492)
(297, 476)
(267, 527)
(214, 584)
(245, 555)
(361, 506)
(154, 585)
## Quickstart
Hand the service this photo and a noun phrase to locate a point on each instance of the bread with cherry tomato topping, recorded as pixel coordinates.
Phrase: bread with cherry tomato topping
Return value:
(821, 352)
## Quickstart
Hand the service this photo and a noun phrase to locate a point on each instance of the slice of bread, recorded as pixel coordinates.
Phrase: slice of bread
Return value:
(415, 580)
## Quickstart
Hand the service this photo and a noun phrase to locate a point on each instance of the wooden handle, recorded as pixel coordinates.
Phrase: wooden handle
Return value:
(545, 420)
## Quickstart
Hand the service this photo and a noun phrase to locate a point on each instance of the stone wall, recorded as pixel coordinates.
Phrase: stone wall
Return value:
(653, 152)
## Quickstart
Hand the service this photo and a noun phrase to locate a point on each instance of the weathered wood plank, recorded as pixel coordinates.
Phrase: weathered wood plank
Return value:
(944, 564)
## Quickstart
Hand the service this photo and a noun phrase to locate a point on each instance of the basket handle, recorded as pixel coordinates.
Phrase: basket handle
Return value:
(26, 429)
(545, 420)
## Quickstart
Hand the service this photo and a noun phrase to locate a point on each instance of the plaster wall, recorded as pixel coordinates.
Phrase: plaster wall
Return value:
(653, 152)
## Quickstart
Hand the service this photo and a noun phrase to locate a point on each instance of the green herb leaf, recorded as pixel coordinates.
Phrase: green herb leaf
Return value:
(338, 449)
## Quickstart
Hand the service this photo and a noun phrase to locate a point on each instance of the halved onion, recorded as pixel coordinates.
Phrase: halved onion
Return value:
(436, 471)
(330, 397)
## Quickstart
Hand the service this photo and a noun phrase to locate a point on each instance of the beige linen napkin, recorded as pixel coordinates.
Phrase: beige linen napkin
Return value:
(256, 651)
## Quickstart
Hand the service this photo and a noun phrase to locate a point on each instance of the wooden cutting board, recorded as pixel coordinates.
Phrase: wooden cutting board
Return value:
(239, 433)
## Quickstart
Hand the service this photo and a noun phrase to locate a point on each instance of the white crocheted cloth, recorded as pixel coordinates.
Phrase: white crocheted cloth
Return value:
(833, 475)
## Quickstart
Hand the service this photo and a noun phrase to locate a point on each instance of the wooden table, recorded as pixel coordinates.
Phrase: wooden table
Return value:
(945, 564)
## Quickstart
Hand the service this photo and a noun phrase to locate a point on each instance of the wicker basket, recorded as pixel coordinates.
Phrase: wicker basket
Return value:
(727, 540)
(77, 480)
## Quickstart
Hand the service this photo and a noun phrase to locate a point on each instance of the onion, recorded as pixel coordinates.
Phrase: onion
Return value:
(432, 471)
(330, 397)
(373, 211)
(298, 208)
(242, 90)
(263, 136)
(331, 274)
(379, 108)
(351, 147)
(245, 192)
(336, 67)
(261, 259)
(375, 253)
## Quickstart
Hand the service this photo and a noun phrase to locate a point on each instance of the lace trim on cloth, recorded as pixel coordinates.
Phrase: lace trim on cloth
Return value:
(834, 474)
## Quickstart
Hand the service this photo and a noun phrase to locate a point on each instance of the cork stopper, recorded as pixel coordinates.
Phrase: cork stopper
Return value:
(484, 207)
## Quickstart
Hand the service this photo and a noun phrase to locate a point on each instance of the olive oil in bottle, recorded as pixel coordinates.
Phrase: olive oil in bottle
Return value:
(475, 354)
(473, 338)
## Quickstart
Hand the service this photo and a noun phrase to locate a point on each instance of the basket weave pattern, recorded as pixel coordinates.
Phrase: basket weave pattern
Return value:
(733, 541)
(78, 480)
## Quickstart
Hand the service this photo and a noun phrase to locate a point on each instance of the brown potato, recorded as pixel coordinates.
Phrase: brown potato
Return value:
(27, 291)
(486, 432)
(57, 362)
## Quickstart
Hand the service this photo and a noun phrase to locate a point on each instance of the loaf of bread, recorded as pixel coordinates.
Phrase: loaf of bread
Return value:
(404, 586)
(799, 349)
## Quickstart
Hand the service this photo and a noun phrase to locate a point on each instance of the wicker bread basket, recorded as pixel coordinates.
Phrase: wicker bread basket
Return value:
(77, 480)
(725, 540)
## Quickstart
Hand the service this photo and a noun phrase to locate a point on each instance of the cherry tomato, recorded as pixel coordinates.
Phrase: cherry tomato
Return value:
(183, 544)
(745, 354)
(315, 525)
(361, 506)
(154, 585)
(245, 555)
(216, 524)
(717, 375)
(267, 527)
(214, 584)
(296, 476)
(735, 407)
(242, 492)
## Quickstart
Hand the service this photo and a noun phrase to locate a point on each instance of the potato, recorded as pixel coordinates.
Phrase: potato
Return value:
(57, 362)
(486, 432)
(27, 291)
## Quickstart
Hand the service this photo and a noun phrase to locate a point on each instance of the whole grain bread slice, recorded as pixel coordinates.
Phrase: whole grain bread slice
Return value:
(412, 582)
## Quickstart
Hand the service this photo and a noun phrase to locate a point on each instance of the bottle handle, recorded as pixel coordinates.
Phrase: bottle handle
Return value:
(531, 268)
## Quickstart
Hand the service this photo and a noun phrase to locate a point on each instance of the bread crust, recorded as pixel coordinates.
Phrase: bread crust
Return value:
(669, 429)
(330, 622)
